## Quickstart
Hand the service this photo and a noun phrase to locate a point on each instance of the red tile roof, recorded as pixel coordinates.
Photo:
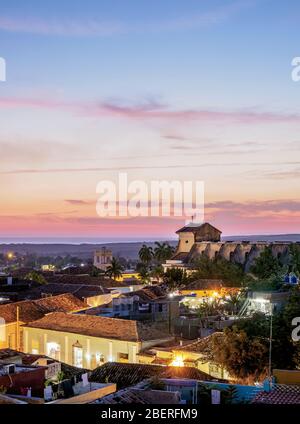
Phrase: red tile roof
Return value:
(81, 291)
(203, 345)
(86, 280)
(148, 294)
(281, 395)
(32, 310)
(125, 375)
(62, 303)
(204, 284)
(14, 356)
(133, 395)
(28, 311)
(181, 256)
(195, 228)
(95, 326)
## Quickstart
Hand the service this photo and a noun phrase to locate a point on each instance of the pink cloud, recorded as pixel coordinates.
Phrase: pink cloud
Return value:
(149, 110)
(233, 218)
(78, 202)
(100, 28)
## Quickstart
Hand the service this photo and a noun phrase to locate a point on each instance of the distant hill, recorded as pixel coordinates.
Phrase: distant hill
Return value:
(128, 250)
(85, 251)
(270, 238)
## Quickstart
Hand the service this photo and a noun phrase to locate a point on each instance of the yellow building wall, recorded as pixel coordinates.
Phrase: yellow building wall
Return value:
(127, 276)
(211, 293)
(92, 347)
(145, 359)
(162, 354)
(202, 365)
(102, 299)
(287, 376)
(186, 242)
(9, 338)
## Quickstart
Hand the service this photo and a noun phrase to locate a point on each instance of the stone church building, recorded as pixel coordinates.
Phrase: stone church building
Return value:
(195, 240)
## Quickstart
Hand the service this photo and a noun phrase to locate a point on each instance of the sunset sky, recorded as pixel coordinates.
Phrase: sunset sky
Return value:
(172, 89)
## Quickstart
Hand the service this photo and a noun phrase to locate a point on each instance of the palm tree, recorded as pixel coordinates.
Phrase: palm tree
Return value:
(157, 272)
(146, 254)
(174, 278)
(203, 312)
(144, 274)
(208, 309)
(233, 301)
(115, 269)
(163, 251)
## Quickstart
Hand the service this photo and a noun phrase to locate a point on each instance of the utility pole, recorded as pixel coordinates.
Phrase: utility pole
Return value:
(270, 344)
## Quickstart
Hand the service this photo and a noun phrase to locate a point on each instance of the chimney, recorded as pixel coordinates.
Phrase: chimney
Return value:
(9, 281)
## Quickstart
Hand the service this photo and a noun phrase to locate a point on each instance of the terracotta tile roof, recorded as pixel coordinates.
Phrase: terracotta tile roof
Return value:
(125, 396)
(149, 293)
(83, 279)
(7, 354)
(204, 284)
(30, 358)
(32, 310)
(12, 355)
(80, 291)
(125, 375)
(134, 396)
(87, 280)
(70, 371)
(161, 361)
(95, 326)
(196, 228)
(181, 256)
(202, 345)
(28, 311)
(282, 394)
(62, 303)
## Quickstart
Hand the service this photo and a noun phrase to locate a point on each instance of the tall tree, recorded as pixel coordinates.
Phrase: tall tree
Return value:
(36, 277)
(157, 272)
(115, 269)
(233, 302)
(294, 258)
(144, 274)
(175, 278)
(266, 264)
(242, 356)
(163, 251)
(146, 254)
(218, 268)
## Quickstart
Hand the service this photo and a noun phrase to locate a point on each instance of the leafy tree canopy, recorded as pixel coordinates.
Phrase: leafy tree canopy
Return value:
(219, 268)
(36, 277)
(266, 265)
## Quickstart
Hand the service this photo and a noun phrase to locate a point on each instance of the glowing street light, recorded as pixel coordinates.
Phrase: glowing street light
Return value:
(177, 361)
